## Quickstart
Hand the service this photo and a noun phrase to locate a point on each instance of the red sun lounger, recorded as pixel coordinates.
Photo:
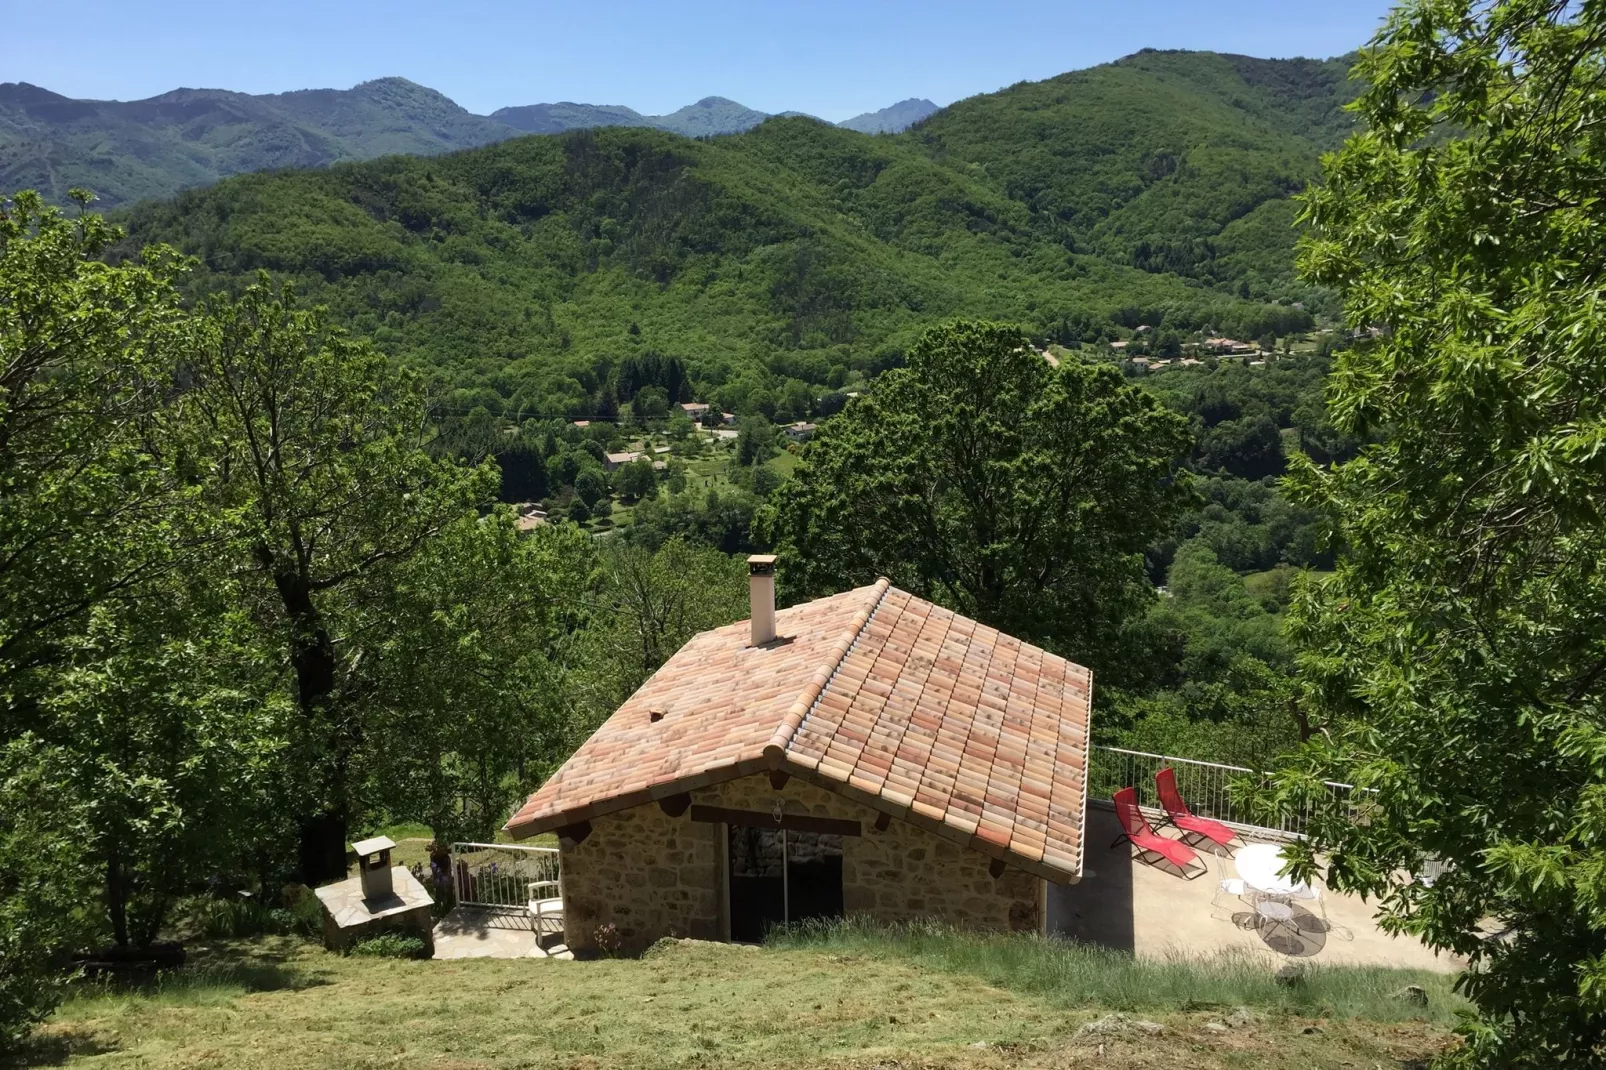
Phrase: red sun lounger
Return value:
(1145, 839)
(1165, 782)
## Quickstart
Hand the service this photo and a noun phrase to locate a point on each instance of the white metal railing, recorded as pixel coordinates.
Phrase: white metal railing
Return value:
(1202, 785)
(499, 874)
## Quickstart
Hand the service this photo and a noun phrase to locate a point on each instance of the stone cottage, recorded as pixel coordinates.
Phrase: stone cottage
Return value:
(867, 753)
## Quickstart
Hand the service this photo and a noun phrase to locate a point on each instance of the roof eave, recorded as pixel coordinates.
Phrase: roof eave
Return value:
(523, 830)
(1047, 870)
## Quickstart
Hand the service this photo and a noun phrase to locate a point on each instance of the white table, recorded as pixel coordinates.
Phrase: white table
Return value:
(1258, 864)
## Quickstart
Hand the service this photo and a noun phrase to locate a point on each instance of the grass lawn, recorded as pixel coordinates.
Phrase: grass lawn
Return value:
(846, 999)
(412, 842)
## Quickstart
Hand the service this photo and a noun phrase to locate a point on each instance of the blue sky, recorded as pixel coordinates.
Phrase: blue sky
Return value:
(831, 58)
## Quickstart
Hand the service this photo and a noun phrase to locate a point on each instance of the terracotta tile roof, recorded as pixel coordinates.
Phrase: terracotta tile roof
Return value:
(886, 698)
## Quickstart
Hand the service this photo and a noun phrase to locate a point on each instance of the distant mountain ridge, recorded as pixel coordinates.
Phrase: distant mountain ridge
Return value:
(893, 120)
(711, 115)
(133, 150)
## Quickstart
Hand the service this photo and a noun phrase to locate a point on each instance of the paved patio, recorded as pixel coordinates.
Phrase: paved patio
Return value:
(1152, 912)
(473, 933)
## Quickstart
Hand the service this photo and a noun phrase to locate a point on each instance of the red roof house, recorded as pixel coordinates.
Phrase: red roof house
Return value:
(866, 753)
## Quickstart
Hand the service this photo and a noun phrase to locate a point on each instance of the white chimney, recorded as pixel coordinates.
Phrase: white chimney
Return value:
(761, 593)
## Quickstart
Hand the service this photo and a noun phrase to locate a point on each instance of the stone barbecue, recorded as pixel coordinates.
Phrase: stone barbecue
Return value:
(381, 898)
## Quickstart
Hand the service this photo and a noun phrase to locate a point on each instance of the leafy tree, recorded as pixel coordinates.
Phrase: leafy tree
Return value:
(655, 600)
(523, 470)
(637, 479)
(795, 401)
(1456, 656)
(579, 511)
(92, 522)
(470, 679)
(86, 353)
(755, 441)
(45, 880)
(987, 480)
(316, 454)
(165, 723)
(722, 520)
(590, 487)
(1250, 448)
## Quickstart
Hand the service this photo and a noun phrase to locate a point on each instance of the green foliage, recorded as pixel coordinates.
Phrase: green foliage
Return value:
(44, 880)
(755, 441)
(1455, 656)
(987, 480)
(316, 454)
(529, 274)
(216, 917)
(153, 148)
(590, 487)
(242, 571)
(720, 517)
(650, 602)
(637, 479)
(391, 946)
(109, 748)
(470, 704)
(1218, 683)
(87, 353)
(1169, 161)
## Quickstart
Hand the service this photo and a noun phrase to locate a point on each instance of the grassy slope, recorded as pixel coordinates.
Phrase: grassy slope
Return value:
(518, 267)
(839, 1005)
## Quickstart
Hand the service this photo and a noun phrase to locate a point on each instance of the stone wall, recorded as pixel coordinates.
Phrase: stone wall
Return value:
(651, 875)
(647, 874)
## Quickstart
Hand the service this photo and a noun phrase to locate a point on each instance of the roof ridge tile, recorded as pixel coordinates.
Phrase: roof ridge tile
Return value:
(775, 749)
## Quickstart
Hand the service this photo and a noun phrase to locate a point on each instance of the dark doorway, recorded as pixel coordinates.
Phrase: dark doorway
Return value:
(758, 881)
(778, 875)
(813, 875)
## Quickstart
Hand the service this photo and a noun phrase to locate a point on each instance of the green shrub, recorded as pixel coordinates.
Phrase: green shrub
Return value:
(217, 918)
(391, 946)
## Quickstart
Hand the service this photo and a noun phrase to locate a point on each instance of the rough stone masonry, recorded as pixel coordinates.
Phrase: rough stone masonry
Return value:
(651, 875)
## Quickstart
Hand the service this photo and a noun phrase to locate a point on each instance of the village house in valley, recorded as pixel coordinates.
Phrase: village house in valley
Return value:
(866, 753)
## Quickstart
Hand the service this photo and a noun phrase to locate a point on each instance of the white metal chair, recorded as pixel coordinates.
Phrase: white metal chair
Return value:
(1226, 887)
(545, 908)
(1233, 886)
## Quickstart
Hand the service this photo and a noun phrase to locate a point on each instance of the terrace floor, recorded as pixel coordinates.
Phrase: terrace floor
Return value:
(1127, 904)
(474, 933)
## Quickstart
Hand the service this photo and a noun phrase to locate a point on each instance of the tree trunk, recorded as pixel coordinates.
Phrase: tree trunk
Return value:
(323, 826)
(117, 897)
(153, 924)
(322, 854)
(1301, 720)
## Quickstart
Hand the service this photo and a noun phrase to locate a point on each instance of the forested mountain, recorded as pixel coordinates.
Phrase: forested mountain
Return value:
(891, 120)
(129, 150)
(1151, 191)
(711, 115)
(567, 115)
(1168, 161)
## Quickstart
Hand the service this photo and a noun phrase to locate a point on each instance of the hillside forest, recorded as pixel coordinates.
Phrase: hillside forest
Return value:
(356, 496)
(390, 440)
